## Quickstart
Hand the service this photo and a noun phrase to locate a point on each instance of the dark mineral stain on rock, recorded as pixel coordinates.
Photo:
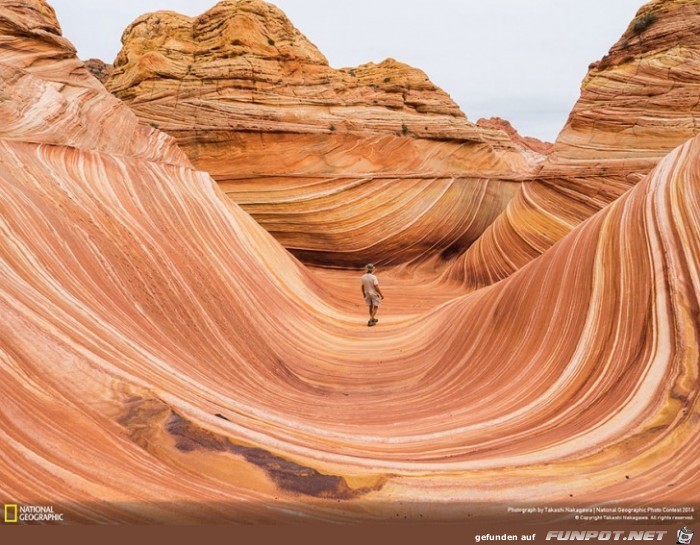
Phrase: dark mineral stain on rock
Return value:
(189, 437)
(287, 475)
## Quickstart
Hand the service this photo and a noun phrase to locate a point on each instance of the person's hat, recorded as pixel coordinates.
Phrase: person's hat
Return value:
(370, 267)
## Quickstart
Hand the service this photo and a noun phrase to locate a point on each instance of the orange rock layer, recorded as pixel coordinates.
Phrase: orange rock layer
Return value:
(372, 163)
(637, 104)
(163, 358)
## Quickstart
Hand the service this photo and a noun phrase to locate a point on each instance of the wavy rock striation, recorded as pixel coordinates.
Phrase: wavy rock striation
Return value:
(163, 358)
(373, 163)
(637, 104)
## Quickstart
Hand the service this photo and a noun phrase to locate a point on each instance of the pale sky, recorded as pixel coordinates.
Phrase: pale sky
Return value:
(516, 59)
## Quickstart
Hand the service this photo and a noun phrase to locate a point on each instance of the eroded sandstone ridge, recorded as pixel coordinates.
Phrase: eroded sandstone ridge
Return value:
(373, 163)
(637, 103)
(164, 359)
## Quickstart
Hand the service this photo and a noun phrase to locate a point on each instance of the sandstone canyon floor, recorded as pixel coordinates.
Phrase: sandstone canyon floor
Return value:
(164, 358)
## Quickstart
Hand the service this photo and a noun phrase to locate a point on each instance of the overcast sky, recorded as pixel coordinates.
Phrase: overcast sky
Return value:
(520, 60)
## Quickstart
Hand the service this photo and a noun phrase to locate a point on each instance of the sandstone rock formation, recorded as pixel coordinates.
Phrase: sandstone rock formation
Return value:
(638, 103)
(527, 142)
(163, 358)
(99, 69)
(373, 163)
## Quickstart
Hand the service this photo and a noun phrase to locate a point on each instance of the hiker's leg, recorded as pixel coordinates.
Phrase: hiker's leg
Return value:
(372, 311)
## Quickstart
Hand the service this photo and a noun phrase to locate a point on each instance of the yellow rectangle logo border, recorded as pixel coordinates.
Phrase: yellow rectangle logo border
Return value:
(9, 507)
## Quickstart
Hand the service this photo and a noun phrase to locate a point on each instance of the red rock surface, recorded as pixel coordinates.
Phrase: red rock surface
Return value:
(637, 104)
(527, 142)
(373, 163)
(163, 358)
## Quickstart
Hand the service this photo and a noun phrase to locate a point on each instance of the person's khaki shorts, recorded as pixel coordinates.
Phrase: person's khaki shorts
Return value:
(372, 300)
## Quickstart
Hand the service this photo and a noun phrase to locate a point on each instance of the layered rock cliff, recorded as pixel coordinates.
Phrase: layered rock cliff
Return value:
(373, 163)
(637, 103)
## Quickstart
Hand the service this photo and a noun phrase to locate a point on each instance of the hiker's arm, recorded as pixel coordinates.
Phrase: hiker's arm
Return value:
(376, 287)
(363, 291)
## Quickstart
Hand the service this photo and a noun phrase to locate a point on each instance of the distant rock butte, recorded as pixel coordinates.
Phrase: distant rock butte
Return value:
(261, 74)
(342, 166)
(527, 142)
(637, 103)
(99, 69)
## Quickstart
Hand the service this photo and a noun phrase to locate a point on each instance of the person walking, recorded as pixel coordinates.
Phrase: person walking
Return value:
(371, 292)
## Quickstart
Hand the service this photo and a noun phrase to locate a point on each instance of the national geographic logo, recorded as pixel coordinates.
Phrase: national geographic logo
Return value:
(26, 514)
(10, 513)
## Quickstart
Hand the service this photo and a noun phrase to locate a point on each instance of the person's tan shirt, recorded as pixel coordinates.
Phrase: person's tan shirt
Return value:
(369, 281)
